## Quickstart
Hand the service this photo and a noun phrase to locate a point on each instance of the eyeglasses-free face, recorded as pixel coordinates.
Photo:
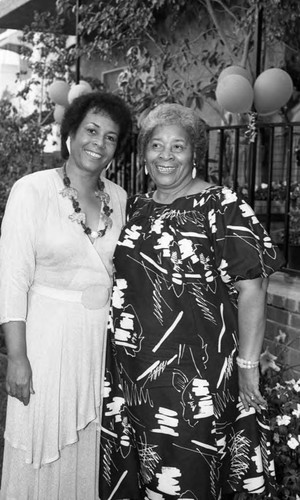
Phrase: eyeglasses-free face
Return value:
(169, 157)
(95, 142)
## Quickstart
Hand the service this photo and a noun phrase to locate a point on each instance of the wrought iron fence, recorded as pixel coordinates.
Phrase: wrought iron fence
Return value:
(265, 170)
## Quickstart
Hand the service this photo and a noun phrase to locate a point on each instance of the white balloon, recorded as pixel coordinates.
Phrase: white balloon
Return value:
(76, 91)
(235, 70)
(58, 113)
(83, 82)
(235, 94)
(272, 90)
(58, 92)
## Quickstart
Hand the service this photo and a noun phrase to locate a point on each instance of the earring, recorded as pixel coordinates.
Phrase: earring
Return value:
(68, 144)
(194, 171)
(109, 165)
(146, 169)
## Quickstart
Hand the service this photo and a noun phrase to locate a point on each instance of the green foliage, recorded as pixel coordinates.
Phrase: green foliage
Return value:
(107, 26)
(46, 36)
(174, 50)
(284, 406)
(21, 147)
(144, 88)
(282, 392)
(283, 21)
(278, 194)
(186, 62)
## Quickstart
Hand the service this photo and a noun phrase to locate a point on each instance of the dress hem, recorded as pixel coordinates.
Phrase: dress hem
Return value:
(47, 461)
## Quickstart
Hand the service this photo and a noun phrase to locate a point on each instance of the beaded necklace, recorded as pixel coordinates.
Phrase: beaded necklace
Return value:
(80, 216)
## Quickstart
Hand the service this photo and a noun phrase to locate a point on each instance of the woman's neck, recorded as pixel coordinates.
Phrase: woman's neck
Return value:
(168, 194)
(82, 180)
(193, 186)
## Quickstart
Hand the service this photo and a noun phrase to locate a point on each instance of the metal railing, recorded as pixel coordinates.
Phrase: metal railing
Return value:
(266, 171)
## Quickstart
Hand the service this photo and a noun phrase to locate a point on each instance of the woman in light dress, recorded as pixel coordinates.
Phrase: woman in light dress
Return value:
(58, 236)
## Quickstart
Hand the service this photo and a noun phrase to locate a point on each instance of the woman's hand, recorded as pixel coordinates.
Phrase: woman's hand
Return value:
(19, 375)
(249, 389)
(252, 322)
(19, 378)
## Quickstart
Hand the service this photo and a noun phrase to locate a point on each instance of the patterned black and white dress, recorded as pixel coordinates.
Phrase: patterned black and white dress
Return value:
(173, 425)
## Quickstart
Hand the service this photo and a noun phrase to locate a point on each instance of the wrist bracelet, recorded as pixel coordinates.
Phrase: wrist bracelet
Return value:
(244, 363)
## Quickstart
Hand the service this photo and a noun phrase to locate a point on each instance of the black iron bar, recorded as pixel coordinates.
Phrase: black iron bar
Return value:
(77, 20)
(270, 179)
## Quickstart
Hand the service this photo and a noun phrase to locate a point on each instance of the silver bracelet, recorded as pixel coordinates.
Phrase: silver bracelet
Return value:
(244, 363)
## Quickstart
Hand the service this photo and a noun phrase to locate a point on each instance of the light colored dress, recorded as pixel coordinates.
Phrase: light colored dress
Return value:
(58, 281)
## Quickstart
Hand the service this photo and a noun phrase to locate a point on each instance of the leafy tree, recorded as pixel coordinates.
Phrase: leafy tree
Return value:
(22, 143)
(150, 33)
(187, 62)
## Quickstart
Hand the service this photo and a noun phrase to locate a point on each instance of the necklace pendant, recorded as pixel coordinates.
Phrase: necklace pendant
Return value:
(94, 234)
(107, 221)
(69, 192)
(78, 217)
(104, 197)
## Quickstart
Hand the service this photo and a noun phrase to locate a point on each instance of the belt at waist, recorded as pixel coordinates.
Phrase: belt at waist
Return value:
(92, 297)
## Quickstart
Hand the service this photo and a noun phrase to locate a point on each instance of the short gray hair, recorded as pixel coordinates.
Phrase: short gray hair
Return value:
(169, 114)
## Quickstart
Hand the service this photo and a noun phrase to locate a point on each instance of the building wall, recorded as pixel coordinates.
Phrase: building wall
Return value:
(283, 321)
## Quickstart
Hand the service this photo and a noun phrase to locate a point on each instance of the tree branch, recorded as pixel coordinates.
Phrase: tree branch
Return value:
(221, 32)
(246, 49)
(226, 9)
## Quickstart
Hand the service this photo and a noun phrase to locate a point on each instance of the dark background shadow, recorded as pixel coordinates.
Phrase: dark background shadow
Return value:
(3, 400)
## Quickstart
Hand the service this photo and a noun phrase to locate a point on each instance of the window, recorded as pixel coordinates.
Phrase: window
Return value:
(109, 78)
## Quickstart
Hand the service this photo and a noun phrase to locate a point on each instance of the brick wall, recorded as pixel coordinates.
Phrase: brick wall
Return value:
(283, 320)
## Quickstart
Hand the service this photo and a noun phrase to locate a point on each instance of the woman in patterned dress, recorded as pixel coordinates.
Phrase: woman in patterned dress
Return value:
(59, 233)
(183, 413)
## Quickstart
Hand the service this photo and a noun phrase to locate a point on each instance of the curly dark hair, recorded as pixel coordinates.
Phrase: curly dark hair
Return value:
(99, 102)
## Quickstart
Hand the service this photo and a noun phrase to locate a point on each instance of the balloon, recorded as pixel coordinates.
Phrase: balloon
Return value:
(272, 90)
(58, 92)
(235, 94)
(76, 91)
(269, 113)
(83, 82)
(58, 113)
(235, 70)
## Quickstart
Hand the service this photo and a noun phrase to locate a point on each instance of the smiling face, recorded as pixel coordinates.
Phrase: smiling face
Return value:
(169, 157)
(94, 144)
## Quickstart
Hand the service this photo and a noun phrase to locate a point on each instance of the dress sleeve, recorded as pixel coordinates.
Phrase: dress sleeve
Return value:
(17, 250)
(242, 247)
